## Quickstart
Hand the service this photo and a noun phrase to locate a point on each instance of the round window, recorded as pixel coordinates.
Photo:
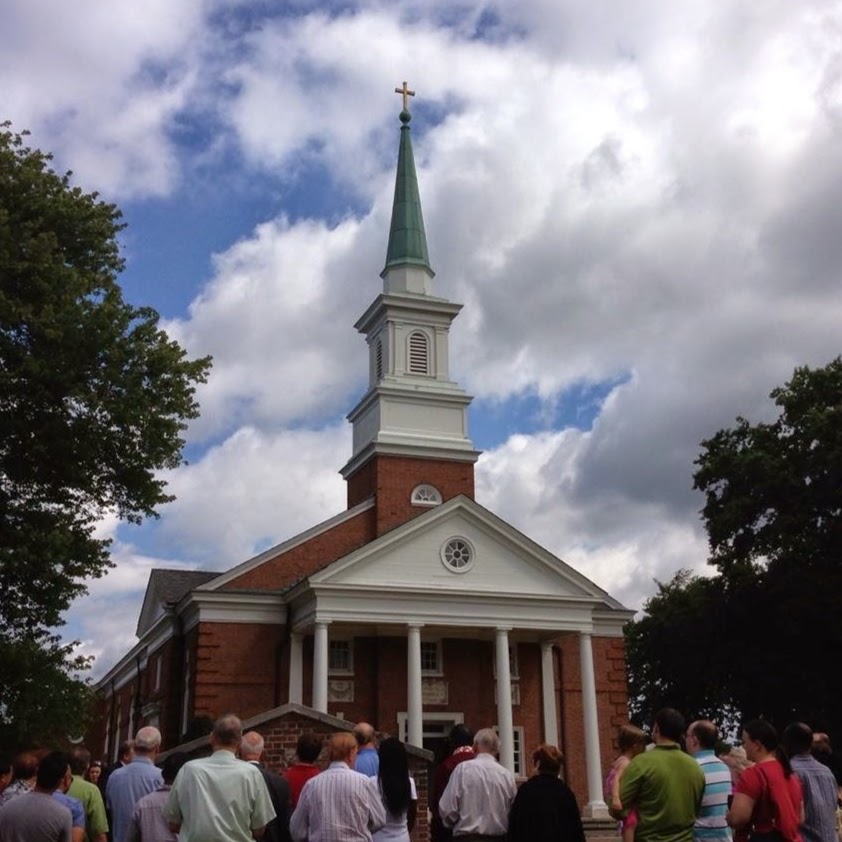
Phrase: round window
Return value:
(457, 555)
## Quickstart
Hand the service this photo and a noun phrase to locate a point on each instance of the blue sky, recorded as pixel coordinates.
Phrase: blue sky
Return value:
(634, 203)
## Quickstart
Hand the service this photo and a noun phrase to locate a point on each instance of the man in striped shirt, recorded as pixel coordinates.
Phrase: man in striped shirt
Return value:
(339, 804)
(710, 823)
(817, 784)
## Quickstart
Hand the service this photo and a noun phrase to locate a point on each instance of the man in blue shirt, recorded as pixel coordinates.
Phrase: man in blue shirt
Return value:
(368, 760)
(710, 823)
(127, 785)
(817, 784)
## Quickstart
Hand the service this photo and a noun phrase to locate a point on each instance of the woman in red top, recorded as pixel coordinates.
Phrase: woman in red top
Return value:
(767, 797)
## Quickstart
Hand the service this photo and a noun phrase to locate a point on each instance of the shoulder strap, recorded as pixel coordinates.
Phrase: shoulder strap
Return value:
(767, 793)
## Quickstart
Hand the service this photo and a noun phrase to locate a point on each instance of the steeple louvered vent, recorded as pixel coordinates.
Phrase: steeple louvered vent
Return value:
(419, 353)
(378, 360)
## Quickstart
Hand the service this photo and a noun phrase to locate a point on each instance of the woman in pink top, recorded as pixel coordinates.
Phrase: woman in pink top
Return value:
(631, 741)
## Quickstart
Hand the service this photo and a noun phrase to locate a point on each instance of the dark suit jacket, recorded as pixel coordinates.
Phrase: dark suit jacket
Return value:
(278, 829)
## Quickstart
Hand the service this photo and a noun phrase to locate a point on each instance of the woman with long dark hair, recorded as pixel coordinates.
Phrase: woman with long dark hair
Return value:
(545, 809)
(767, 804)
(397, 789)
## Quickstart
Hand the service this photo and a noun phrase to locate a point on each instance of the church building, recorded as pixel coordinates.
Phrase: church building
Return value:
(414, 609)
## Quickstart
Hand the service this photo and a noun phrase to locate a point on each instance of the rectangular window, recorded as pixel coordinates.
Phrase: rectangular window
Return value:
(340, 658)
(514, 673)
(431, 660)
(158, 672)
(185, 701)
(116, 756)
(131, 713)
(517, 750)
(520, 764)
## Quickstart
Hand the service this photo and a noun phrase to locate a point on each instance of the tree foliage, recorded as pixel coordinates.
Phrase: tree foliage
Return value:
(94, 396)
(43, 702)
(760, 635)
(772, 491)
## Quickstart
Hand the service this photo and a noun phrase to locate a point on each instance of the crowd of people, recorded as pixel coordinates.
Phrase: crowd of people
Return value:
(768, 790)
(678, 789)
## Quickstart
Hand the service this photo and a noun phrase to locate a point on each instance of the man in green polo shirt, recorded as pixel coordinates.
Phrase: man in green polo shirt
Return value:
(664, 785)
(96, 824)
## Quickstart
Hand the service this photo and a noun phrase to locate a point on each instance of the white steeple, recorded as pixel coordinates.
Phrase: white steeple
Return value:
(412, 407)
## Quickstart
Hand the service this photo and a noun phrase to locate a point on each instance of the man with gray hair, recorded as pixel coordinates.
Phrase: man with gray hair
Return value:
(251, 750)
(220, 798)
(128, 784)
(479, 794)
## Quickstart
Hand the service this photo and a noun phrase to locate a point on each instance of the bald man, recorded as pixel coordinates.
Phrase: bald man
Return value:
(220, 798)
(368, 761)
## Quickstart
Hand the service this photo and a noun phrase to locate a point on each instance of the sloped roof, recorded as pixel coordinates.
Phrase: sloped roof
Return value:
(407, 239)
(168, 587)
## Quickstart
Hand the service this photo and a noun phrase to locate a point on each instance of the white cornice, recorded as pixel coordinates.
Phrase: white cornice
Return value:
(263, 607)
(286, 546)
(425, 393)
(611, 623)
(436, 310)
(225, 607)
(439, 608)
(410, 451)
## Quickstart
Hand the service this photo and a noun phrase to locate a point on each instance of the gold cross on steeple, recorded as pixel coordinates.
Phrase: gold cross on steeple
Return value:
(405, 92)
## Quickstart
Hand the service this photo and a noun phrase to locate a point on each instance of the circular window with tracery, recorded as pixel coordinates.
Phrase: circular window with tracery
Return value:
(458, 555)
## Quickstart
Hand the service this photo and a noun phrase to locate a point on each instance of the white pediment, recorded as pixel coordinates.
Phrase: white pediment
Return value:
(504, 561)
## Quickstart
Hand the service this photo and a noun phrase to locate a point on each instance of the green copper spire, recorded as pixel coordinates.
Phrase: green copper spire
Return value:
(407, 240)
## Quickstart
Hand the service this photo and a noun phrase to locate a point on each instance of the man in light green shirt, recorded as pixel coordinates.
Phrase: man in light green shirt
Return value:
(96, 823)
(664, 785)
(220, 798)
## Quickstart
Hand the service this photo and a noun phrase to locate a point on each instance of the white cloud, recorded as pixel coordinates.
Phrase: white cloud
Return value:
(254, 490)
(277, 319)
(101, 84)
(647, 193)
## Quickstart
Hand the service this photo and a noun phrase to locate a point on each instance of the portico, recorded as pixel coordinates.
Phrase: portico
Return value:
(504, 693)
(419, 609)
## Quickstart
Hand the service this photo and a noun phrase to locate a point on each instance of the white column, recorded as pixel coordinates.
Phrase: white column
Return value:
(414, 713)
(596, 807)
(296, 668)
(320, 667)
(548, 694)
(505, 728)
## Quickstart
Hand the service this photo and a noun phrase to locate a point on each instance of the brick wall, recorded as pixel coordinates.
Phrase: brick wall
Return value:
(309, 556)
(237, 668)
(392, 478)
(612, 705)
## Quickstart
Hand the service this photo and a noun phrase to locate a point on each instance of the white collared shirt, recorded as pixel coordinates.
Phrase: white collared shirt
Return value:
(478, 798)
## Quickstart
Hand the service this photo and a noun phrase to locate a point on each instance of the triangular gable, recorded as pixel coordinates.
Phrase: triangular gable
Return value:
(167, 587)
(505, 560)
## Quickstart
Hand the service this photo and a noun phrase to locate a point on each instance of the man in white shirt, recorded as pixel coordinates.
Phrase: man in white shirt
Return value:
(339, 803)
(220, 798)
(479, 795)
